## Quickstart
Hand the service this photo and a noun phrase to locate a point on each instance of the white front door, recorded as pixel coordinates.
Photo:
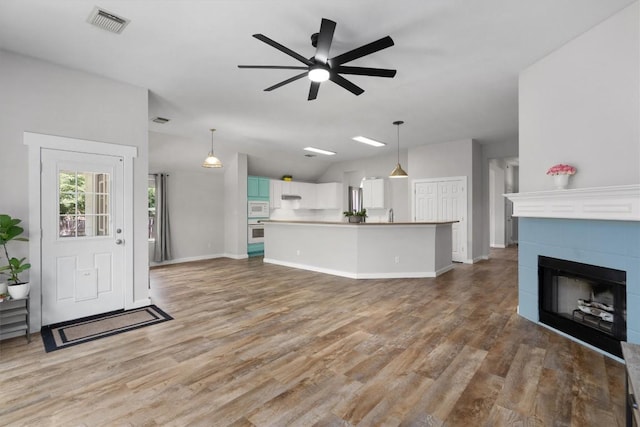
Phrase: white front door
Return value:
(82, 235)
(444, 200)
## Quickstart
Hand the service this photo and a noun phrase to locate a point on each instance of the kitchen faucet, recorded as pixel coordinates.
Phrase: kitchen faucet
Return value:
(391, 215)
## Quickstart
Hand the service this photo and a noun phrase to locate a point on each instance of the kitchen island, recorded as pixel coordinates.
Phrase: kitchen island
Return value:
(361, 250)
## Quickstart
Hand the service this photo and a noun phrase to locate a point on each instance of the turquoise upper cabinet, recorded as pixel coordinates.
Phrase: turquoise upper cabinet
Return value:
(258, 188)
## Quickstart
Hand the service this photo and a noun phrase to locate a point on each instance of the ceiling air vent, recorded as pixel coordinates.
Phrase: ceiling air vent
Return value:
(160, 120)
(107, 20)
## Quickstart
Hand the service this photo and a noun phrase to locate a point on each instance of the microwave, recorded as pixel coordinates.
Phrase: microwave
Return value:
(258, 209)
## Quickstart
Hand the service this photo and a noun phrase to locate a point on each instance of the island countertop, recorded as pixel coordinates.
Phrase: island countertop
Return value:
(278, 221)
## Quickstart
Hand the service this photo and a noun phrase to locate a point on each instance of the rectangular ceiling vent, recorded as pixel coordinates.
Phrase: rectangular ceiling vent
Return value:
(107, 20)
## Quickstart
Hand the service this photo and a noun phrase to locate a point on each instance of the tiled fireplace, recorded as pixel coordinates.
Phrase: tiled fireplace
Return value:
(597, 227)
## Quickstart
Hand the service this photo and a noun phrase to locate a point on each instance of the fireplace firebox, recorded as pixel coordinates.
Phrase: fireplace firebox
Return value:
(585, 301)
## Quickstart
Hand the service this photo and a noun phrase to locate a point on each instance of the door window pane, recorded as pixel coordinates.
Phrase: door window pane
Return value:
(84, 206)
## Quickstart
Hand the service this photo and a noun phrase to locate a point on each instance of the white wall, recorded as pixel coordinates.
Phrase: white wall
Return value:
(503, 150)
(396, 190)
(235, 206)
(497, 188)
(457, 158)
(580, 105)
(195, 213)
(207, 206)
(41, 97)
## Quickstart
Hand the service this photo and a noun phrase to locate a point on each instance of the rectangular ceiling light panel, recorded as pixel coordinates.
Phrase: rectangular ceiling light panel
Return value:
(369, 141)
(319, 151)
(107, 20)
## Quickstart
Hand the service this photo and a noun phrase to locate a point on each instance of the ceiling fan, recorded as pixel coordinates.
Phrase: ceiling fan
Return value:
(320, 67)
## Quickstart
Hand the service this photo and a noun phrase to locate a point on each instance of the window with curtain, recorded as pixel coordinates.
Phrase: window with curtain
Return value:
(151, 201)
(162, 245)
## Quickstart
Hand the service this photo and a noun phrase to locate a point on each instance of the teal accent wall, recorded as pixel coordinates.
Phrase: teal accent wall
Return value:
(612, 244)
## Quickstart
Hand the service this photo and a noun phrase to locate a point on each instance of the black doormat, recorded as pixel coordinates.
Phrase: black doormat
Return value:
(74, 332)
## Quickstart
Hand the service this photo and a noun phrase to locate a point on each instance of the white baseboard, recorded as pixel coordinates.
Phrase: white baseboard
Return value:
(187, 259)
(236, 256)
(496, 246)
(350, 275)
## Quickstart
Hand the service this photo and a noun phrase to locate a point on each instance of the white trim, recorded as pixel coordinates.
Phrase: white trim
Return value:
(392, 275)
(64, 143)
(187, 259)
(620, 203)
(36, 142)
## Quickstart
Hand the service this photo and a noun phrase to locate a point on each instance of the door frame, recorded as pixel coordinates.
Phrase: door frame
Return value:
(36, 142)
(468, 218)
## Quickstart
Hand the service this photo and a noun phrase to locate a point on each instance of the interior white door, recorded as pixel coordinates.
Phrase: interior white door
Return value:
(451, 198)
(444, 200)
(82, 235)
(426, 201)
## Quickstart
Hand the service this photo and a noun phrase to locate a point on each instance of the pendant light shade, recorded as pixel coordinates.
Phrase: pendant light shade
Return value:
(212, 161)
(398, 172)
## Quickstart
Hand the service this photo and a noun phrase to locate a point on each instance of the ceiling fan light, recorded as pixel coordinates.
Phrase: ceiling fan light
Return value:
(318, 74)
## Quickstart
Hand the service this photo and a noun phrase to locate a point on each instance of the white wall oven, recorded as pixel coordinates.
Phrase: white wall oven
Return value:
(255, 232)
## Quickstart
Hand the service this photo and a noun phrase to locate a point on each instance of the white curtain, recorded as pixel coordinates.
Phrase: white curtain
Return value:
(162, 247)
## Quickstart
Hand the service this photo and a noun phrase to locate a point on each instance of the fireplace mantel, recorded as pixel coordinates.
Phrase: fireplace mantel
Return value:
(621, 203)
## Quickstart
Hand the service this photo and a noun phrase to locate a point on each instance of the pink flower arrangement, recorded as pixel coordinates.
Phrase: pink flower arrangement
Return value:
(561, 169)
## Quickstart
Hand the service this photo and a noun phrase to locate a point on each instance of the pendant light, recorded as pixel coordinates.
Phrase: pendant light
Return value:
(212, 161)
(398, 172)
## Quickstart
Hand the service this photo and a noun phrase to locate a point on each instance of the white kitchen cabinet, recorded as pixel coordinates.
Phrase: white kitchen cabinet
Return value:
(373, 193)
(307, 192)
(312, 196)
(329, 195)
(275, 194)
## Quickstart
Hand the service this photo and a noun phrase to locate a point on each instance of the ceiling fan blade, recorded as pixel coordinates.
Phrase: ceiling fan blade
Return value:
(274, 67)
(339, 80)
(313, 91)
(292, 79)
(361, 51)
(283, 49)
(365, 71)
(325, 37)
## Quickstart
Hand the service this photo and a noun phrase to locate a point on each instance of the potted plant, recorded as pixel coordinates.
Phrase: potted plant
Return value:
(356, 216)
(561, 174)
(10, 231)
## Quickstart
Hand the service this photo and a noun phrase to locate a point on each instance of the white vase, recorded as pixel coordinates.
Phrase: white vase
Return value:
(561, 181)
(19, 291)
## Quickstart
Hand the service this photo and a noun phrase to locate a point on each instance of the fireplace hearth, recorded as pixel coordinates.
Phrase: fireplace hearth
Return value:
(585, 301)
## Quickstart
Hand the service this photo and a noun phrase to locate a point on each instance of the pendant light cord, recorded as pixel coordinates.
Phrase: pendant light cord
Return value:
(398, 125)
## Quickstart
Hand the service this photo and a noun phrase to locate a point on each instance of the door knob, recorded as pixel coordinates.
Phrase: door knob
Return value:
(119, 241)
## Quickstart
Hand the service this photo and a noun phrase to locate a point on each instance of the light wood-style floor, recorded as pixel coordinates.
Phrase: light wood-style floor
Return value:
(265, 345)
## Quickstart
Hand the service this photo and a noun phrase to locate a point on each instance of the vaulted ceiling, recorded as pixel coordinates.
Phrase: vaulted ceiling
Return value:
(457, 67)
